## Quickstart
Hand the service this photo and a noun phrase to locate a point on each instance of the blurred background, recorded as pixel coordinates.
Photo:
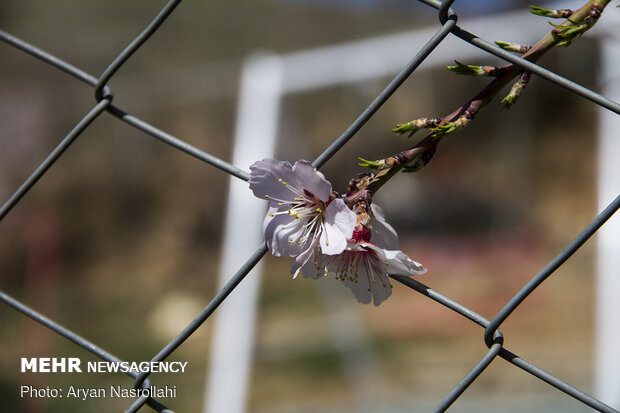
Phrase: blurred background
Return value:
(120, 240)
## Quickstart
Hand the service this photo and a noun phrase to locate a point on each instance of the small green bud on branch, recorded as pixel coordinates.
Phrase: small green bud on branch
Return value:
(447, 128)
(471, 70)
(466, 115)
(571, 29)
(380, 164)
(516, 90)
(415, 125)
(554, 14)
(441, 127)
(566, 34)
(513, 47)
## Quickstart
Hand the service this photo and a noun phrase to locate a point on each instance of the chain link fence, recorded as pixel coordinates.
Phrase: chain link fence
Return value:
(492, 336)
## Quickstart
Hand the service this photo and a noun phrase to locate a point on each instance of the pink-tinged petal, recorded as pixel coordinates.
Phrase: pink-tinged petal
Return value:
(344, 218)
(359, 287)
(381, 290)
(338, 225)
(312, 180)
(271, 178)
(373, 277)
(309, 263)
(366, 278)
(397, 262)
(300, 261)
(279, 230)
(381, 233)
(332, 241)
(295, 268)
(303, 257)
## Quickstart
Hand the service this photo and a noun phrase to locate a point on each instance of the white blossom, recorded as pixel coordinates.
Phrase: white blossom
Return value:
(303, 214)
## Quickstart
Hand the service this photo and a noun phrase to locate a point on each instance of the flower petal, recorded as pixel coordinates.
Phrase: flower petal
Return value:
(338, 225)
(381, 290)
(311, 179)
(381, 233)
(279, 230)
(370, 284)
(271, 178)
(360, 287)
(309, 263)
(374, 277)
(397, 262)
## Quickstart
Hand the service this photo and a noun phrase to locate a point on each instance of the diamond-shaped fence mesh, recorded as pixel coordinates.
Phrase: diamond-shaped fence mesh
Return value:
(104, 104)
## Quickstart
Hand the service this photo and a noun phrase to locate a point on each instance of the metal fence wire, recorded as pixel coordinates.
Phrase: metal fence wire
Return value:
(493, 337)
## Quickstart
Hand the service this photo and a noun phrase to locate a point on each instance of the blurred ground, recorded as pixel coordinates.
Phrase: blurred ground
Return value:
(120, 239)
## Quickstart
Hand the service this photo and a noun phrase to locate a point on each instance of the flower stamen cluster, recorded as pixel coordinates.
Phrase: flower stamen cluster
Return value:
(304, 207)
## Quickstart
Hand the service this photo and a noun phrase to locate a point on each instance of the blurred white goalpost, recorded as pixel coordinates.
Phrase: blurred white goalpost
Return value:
(266, 79)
